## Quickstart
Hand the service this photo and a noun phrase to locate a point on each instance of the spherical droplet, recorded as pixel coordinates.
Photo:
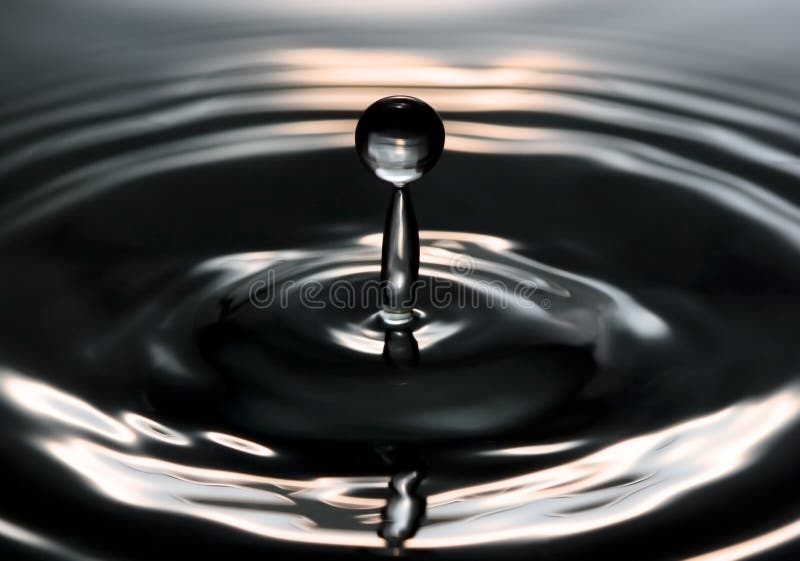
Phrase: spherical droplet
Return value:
(399, 138)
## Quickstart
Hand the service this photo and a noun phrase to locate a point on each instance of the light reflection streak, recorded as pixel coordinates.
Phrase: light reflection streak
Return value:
(46, 401)
(735, 193)
(526, 68)
(369, 341)
(267, 506)
(494, 263)
(261, 505)
(536, 449)
(218, 147)
(493, 243)
(753, 546)
(731, 191)
(585, 494)
(354, 68)
(446, 99)
(618, 483)
(362, 341)
(154, 429)
(240, 444)
(357, 58)
(450, 88)
(20, 535)
(163, 358)
(433, 333)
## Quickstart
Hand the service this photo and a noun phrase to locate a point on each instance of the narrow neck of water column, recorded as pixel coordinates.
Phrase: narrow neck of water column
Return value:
(399, 259)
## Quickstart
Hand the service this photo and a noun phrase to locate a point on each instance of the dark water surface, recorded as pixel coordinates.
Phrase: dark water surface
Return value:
(622, 176)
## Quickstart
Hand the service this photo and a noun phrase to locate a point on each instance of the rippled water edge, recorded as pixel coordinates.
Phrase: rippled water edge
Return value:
(723, 141)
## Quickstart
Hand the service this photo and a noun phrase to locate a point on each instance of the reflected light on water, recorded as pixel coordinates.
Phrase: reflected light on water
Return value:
(266, 506)
(154, 429)
(754, 546)
(648, 120)
(48, 402)
(536, 449)
(610, 486)
(586, 494)
(28, 538)
(271, 507)
(240, 444)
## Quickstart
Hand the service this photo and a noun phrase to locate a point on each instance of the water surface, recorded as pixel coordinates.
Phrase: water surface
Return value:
(624, 177)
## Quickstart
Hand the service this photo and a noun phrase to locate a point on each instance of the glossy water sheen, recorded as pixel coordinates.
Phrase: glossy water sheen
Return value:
(614, 218)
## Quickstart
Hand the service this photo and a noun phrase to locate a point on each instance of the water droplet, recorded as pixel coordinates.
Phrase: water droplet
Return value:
(399, 138)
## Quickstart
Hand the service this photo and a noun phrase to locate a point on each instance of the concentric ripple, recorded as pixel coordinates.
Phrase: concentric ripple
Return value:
(605, 347)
